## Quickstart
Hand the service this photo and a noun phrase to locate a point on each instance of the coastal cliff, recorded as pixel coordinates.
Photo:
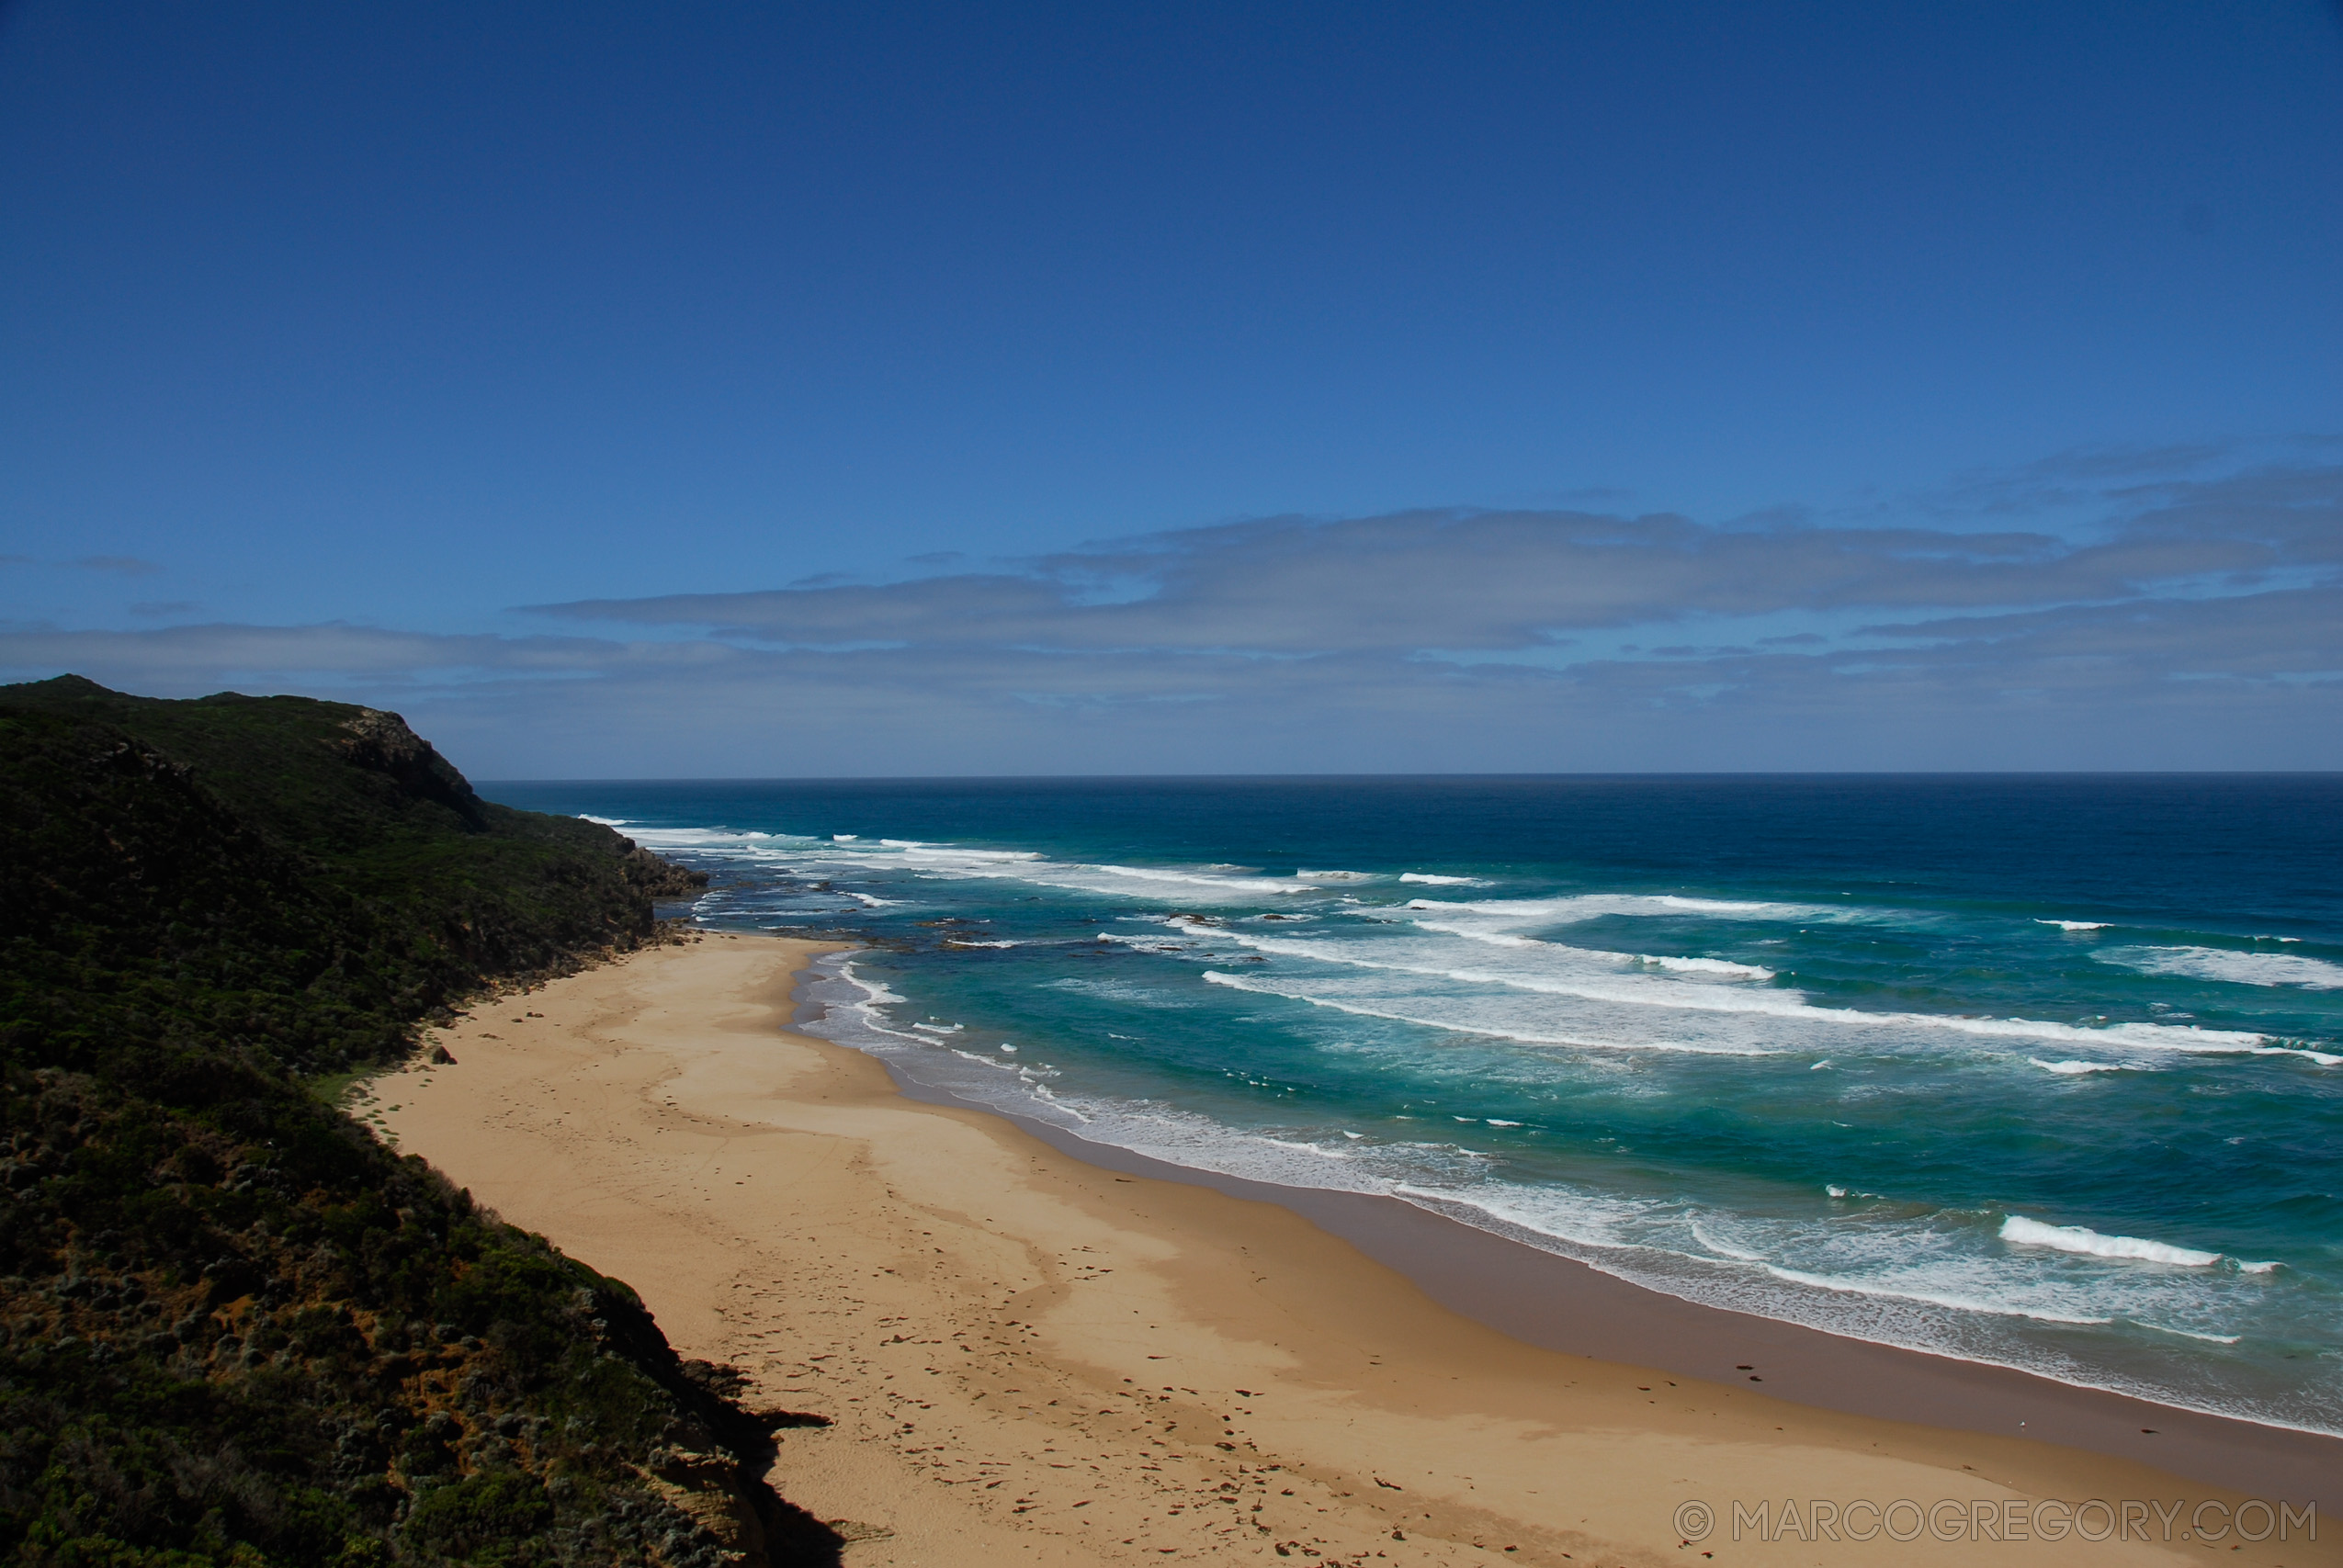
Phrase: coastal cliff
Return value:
(235, 1327)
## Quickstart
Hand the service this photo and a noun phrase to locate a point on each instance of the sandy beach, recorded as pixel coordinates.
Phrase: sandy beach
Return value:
(1029, 1357)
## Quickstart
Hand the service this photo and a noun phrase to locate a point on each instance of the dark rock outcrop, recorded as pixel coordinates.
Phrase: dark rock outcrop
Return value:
(662, 879)
(382, 742)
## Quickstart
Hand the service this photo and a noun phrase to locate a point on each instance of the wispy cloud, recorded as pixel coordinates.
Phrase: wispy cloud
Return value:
(2198, 622)
(124, 566)
(127, 566)
(1507, 581)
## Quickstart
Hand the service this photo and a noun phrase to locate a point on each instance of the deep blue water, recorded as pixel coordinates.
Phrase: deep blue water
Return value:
(2045, 1071)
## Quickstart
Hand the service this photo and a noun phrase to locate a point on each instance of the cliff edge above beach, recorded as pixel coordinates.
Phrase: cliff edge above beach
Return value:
(235, 1324)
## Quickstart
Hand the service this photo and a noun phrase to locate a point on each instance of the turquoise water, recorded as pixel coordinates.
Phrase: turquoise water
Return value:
(2046, 1072)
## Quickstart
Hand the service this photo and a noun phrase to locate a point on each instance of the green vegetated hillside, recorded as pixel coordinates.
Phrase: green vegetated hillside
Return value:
(234, 1327)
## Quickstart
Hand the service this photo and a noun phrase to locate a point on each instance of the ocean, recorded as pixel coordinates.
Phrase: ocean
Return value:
(2040, 1071)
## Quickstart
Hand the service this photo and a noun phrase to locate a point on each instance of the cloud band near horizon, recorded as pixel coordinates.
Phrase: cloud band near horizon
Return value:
(2195, 625)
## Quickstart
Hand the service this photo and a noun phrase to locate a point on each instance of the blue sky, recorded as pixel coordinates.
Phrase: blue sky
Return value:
(740, 389)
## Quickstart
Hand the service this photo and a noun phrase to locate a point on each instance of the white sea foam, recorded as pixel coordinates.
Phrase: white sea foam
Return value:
(1555, 951)
(1740, 1020)
(1879, 1274)
(606, 821)
(2229, 964)
(2075, 1069)
(876, 993)
(1520, 1036)
(1560, 967)
(1710, 966)
(1237, 887)
(2075, 925)
(1147, 944)
(1627, 1001)
(1847, 1285)
(964, 942)
(1707, 1238)
(1335, 875)
(2024, 1232)
(1682, 1254)
(1319, 1149)
(1583, 1220)
(1147, 883)
(2323, 1058)
(1436, 881)
(1591, 905)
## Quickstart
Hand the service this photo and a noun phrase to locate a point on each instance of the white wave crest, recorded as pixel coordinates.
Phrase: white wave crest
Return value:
(2075, 925)
(2075, 1069)
(1591, 905)
(2024, 1232)
(1432, 880)
(1710, 966)
(875, 992)
(846, 852)
(2192, 1333)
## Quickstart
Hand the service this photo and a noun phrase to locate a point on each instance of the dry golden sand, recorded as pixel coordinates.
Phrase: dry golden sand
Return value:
(1031, 1360)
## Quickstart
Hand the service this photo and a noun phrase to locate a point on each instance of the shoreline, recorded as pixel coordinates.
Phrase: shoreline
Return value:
(769, 1193)
(1560, 1303)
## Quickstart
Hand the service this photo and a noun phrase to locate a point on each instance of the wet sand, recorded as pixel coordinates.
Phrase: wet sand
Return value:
(1032, 1358)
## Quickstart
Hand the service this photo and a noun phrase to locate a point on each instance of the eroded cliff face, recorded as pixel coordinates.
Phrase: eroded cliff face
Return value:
(382, 742)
